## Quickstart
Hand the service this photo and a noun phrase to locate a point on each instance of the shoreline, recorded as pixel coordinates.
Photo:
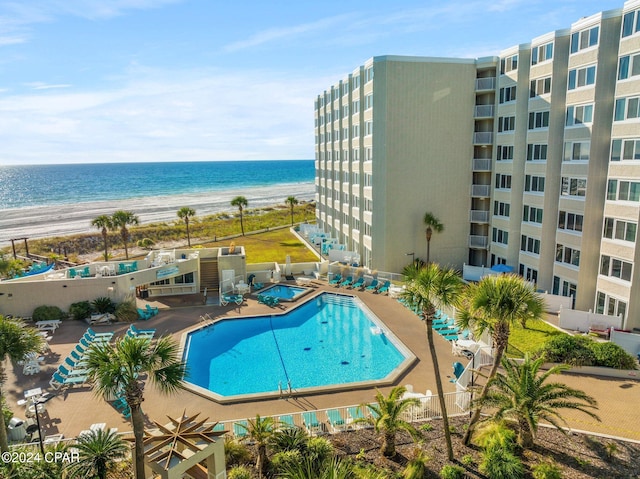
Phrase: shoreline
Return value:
(62, 220)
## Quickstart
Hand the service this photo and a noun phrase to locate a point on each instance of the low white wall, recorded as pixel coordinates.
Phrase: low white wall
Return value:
(574, 320)
(630, 342)
(475, 273)
(554, 303)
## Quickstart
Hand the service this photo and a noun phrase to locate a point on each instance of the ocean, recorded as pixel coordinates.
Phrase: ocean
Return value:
(48, 200)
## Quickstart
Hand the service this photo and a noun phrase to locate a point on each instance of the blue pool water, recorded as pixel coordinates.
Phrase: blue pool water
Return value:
(283, 291)
(329, 340)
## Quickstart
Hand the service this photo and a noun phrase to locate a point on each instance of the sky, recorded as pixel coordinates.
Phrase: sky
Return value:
(199, 80)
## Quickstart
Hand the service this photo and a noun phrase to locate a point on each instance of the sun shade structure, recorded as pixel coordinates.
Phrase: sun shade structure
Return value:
(180, 447)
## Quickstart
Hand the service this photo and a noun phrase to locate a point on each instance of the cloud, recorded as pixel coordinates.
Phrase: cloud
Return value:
(44, 86)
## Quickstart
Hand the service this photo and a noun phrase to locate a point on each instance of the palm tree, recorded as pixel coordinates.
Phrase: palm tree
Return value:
(291, 201)
(98, 451)
(523, 395)
(430, 286)
(259, 431)
(386, 418)
(115, 369)
(433, 224)
(104, 224)
(494, 305)
(121, 219)
(241, 202)
(16, 341)
(185, 213)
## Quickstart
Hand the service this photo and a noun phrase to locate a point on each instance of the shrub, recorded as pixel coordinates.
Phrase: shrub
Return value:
(452, 472)
(567, 349)
(289, 439)
(493, 434)
(48, 313)
(546, 470)
(417, 467)
(500, 463)
(610, 355)
(468, 460)
(285, 459)
(239, 472)
(319, 449)
(126, 312)
(103, 305)
(236, 453)
(79, 311)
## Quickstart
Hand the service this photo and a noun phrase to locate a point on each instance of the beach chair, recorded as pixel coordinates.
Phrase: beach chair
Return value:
(336, 279)
(384, 288)
(77, 365)
(373, 286)
(358, 284)
(85, 273)
(144, 315)
(258, 286)
(57, 381)
(336, 421)
(356, 417)
(286, 421)
(240, 429)
(152, 310)
(72, 273)
(219, 427)
(141, 333)
(122, 268)
(311, 423)
(347, 282)
(93, 334)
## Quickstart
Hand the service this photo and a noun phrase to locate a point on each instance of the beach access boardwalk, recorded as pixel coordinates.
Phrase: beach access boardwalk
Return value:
(75, 409)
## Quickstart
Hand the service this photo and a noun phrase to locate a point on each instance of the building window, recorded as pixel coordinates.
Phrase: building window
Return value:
(505, 153)
(368, 75)
(540, 86)
(606, 304)
(627, 109)
(500, 236)
(368, 128)
(576, 150)
(503, 182)
(626, 150)
(623, 190)
(615, 268)
(584, 39)
(542, 53)
(528, 273)
(356, 131)
(567, 255)
(532, 214)
(619, 229)
(345, 111)
(573, 187)
(536, 152)
(506, 123)
(628, 66)
(529, 245)
(538, 119)
(568, 288)
(355, 106)
(579, 114)
(580, 77)
(630, 23)
(501, 209)
(507, 94)
(570, 221)
(509, 64)
(534, 184)
(345, 136)
(368, 101)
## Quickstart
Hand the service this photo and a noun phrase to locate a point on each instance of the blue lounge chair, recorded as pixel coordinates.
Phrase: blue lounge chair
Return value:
(57, 381)
(231, 298)
(153, 310)
(384, 288)
(240, 429)
(141, 333)
(93, 334)
(79, 365)
(286, 421)
(347, 282)
(336, 279)
(311, 423)
(358, 284)
(219, 427)
(143, 315)
(458, 369)
(336, 421)
(66, 373)
(373, 286)
(72, 273)
(258, 286)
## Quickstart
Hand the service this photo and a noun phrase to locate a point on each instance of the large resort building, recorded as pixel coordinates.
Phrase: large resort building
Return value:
(530, 159)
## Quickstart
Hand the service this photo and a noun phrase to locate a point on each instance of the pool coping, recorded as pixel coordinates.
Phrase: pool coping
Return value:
(409, 359)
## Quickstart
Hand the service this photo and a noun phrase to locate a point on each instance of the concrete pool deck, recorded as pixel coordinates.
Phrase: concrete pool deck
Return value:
(76, 408)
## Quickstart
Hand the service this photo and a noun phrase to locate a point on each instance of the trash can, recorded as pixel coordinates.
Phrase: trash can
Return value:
(17, 430)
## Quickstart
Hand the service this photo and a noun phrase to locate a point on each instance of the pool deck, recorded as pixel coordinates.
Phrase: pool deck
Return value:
(76, 408)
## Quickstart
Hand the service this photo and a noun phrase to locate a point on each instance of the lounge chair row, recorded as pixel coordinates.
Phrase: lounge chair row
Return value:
(227, 298)
(271, 301)
(375, 286)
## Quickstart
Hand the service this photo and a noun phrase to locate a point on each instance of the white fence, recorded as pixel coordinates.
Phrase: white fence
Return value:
(574, 320)
(476, 273)
(554, 303)
(630, 342)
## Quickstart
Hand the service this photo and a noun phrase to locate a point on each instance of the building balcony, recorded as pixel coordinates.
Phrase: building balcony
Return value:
(479, 216)
(483, 138)
(481, 164)
(481, 191)
(483, 111)
(478, 242)
(483, 84)
(367, 192)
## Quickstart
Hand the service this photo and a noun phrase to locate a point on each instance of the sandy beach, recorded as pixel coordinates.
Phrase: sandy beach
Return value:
(48, 221)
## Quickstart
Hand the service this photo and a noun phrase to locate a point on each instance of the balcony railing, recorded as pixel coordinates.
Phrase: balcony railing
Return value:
(483, 111)
(479, 216)
(481, 164)
(483, 137)
(481, 191)
(486, 83)
(478, 242)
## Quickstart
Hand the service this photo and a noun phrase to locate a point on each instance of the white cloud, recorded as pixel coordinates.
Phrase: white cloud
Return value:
(44, 86)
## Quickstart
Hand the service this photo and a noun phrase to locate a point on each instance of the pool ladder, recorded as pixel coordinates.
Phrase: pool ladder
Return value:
(289, 390)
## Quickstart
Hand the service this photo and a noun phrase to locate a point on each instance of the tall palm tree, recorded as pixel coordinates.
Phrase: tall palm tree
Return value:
(241, 202)
(121, 219)
(185, 213)
(104, 224)
(292, 201)
(433, 224)
(98, 452)
(386, 418)
(16, 341)
(259, 431)
(429, 287)
(523, 395)
(115, 369)
(494, 305)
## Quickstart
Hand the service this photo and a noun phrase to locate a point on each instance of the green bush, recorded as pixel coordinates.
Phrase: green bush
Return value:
(103, 305)
(567, 349)
(499, 463)
(319, 449)
(126, 312)
(79, 311)
(239, 472)
(235, 453)
(546, 470)
(610, 355)
(285, 459)
(417, 467)
(452, 472)
(48, 313)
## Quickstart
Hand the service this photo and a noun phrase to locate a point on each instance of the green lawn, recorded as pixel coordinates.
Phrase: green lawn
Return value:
(530, 339)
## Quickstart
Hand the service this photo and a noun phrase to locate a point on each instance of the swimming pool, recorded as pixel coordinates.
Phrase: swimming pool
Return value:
(328, 343)
(284, 292)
